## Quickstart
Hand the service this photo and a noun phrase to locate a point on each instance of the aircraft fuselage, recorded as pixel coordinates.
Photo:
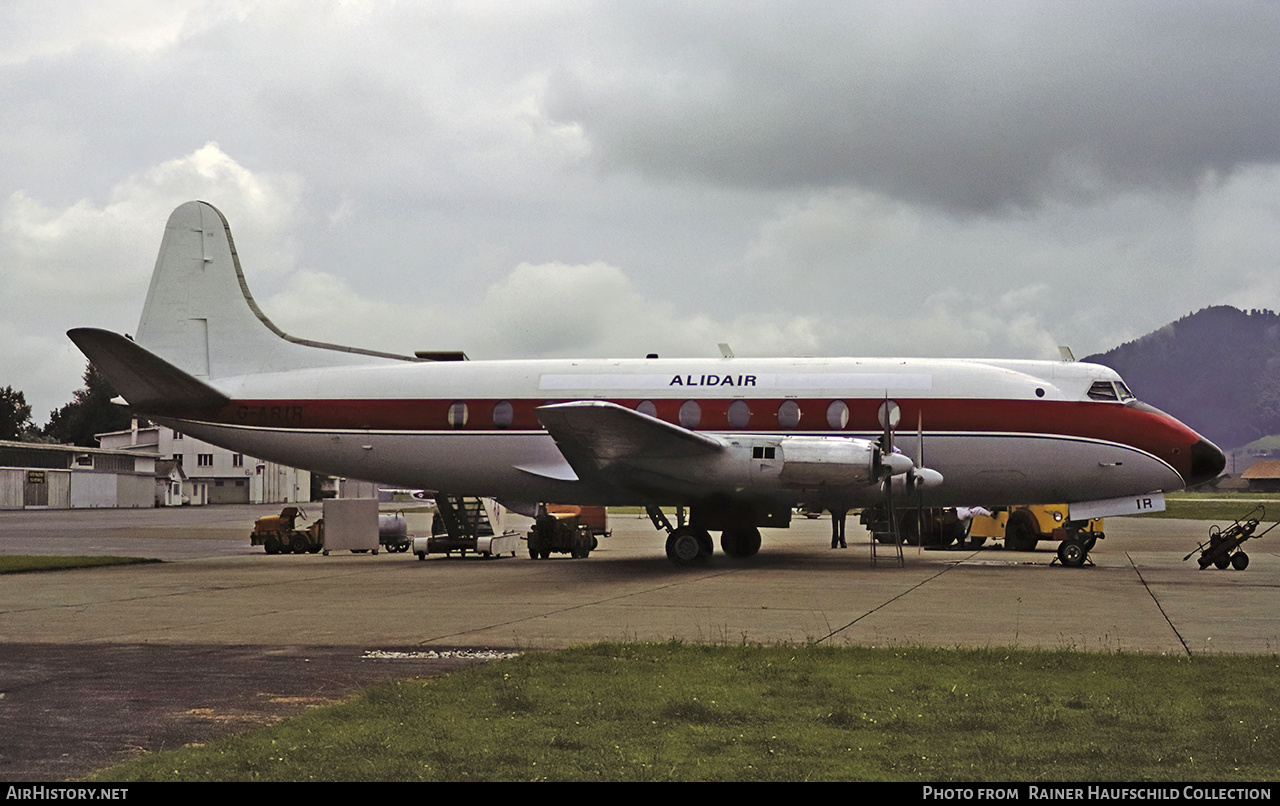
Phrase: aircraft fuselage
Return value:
(999, 432)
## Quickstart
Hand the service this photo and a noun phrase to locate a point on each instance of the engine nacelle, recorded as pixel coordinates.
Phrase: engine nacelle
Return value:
(808, 462)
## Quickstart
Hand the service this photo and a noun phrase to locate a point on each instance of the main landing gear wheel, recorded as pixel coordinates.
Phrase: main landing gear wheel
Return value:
(1020, 531)
(686, 546)
(740, 543)
(1072, 553)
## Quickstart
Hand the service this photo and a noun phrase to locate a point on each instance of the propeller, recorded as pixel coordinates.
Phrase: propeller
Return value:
(891, 463)
(897, 469)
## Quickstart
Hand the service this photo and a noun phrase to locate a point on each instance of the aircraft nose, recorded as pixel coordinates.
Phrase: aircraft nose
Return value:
(1207, 461)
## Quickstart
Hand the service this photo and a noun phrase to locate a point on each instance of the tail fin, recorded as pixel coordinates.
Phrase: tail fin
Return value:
(201, 318)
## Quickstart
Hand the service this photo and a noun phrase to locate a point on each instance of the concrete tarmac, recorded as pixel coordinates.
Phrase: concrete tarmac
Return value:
(202, 625)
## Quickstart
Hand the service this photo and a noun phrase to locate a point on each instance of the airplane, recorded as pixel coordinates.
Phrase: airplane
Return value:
(737, 441)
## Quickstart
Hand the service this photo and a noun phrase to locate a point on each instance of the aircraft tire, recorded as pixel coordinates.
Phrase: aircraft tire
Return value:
(685, 546)
(740, 543)
(1072, 553)
(1019, 532)
(1239, 561)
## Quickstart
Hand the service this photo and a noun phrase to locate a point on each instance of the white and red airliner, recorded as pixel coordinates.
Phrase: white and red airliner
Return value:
(740, 441)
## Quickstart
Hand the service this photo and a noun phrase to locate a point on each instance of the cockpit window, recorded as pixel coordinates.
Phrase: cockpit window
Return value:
(1125, 394)
(1102, 390)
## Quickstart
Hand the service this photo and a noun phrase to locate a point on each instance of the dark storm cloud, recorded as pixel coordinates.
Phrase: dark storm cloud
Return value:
(971, 107)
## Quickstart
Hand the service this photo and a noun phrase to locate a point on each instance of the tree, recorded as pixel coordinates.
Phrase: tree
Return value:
(15, 414)
(89, 412)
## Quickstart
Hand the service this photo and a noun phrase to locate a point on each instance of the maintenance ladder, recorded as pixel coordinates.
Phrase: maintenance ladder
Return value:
(881, 528)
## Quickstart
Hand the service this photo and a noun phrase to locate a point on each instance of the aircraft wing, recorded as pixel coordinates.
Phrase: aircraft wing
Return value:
(625, 447)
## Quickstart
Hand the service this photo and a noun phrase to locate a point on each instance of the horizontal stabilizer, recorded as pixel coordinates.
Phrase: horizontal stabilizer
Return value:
(148, 382)
(596, 436)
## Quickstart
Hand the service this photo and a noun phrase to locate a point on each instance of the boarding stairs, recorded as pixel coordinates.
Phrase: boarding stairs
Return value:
(463, 518)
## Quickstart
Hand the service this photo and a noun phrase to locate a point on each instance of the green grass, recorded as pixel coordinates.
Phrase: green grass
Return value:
(621, 712)
(1218, 506)
(25, 563)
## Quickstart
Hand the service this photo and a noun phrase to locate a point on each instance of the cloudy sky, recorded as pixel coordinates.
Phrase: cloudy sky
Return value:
(550, 179)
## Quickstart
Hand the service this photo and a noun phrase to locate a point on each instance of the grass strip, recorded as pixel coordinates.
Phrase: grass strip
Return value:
(1223, 508)
(683, 712)
(27, 563)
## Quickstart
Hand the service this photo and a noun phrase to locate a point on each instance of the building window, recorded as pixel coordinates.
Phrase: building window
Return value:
(177, 457)
(204, 459)
(177, 434)
(237, 460)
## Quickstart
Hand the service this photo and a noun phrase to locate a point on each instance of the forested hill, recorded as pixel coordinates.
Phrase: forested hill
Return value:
(1217, 370)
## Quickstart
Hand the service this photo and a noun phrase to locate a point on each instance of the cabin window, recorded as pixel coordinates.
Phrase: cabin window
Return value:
(1102, 390)
(838, 414)
(458, 414)
(503, 414)
(647, 407)
(690, 414)
(789, 414)
(739, 414)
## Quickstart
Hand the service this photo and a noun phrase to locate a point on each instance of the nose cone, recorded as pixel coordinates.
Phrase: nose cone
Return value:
(1207, 462)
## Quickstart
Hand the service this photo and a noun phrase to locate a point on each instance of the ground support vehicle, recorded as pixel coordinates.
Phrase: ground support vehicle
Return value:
(278, 534)
(1023, 527)
(571, 530)
(1223, 548)
(485, 546)
(466, 526)
(393, 533)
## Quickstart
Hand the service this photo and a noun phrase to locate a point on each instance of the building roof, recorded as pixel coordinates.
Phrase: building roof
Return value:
(73, 457)
(1266, 469)
(165, 468)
